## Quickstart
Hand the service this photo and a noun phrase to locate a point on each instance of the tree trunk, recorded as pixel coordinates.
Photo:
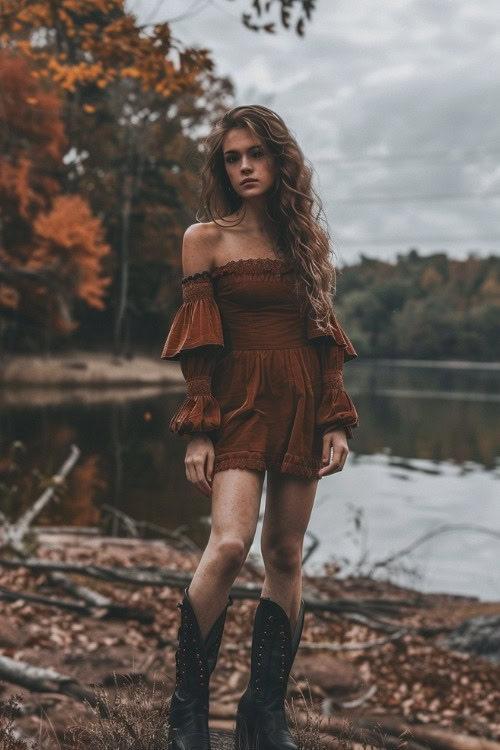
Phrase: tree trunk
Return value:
(124, 261)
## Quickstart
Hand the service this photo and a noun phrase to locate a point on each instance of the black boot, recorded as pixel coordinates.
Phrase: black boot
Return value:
(260, 718)
(195, 661)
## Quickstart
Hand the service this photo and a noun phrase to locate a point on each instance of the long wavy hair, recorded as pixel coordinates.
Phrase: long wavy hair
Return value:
(296, 220)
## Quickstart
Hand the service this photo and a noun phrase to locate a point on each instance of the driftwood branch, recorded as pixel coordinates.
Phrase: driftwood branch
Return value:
(12, 534)
(104, 610)
(136, 529)
(42, 680)
(154, 576)
(362, 610)
(356, 702)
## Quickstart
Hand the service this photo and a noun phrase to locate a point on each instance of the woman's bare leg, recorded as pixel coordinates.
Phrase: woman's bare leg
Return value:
(236, 496)
(289, 503)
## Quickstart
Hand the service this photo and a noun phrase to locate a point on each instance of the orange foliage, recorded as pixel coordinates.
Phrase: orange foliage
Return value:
(42, 230)
(16, 188)
(31, 115)
(74, 239)
(114, 45)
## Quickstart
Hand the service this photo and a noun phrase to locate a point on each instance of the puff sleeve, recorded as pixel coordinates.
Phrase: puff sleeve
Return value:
(336, 408)
(195, 340)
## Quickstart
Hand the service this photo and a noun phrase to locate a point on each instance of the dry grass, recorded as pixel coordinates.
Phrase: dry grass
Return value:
(137, 719)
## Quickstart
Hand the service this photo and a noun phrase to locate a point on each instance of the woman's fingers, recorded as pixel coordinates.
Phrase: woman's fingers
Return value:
(195, 461)
(210, 466)
(201, 480)
(335, 452)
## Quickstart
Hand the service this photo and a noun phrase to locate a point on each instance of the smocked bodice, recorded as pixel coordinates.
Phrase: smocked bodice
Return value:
(258, 304)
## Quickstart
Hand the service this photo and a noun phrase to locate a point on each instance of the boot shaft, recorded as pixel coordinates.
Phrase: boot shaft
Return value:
(196, 657)
(273, 650)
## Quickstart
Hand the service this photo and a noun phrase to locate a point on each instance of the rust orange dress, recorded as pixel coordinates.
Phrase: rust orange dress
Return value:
(262, 380)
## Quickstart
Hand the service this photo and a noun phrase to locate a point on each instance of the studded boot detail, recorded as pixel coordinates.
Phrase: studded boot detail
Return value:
(195, 660)
(260, 718)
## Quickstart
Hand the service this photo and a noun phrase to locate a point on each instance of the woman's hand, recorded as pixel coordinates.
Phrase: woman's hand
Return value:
(199, 462)
(336, 440)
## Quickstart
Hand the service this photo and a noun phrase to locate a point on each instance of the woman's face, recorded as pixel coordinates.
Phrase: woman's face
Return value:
(245, 156)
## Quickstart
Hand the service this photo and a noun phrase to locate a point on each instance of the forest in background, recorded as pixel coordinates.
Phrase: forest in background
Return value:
(422, 307)
(99, 157)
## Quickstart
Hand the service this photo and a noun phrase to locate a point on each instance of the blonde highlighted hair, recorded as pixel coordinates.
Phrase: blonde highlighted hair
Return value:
(294, 209)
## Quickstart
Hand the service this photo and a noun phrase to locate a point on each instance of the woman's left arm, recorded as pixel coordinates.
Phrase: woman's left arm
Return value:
(337, 415)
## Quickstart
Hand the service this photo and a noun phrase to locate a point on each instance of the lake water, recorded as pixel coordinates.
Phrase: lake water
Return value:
(423, 471)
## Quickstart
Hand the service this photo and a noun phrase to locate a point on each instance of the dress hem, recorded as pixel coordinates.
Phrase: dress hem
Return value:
(287, 464)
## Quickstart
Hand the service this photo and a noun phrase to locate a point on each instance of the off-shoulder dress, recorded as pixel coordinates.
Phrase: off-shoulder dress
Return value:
(263, 382)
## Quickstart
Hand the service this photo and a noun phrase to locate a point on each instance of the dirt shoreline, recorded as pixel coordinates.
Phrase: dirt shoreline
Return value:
(96, 369)
(414, 677)
(87, 369)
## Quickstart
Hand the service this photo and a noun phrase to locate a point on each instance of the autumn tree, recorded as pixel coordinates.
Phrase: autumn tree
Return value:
(131, 96)
(51, 245)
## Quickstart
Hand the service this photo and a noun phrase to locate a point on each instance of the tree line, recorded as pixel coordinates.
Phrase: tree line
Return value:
(422, 307)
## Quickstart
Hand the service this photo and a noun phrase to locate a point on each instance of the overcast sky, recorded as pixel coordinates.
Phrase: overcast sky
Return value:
(395, 102)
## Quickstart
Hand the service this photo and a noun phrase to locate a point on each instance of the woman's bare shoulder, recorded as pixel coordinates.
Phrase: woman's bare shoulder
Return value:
(199, 247)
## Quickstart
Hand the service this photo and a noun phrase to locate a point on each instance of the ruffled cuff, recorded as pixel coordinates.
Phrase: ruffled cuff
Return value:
(200, 412)
(336, 408)
(196, 323)
(337, 333)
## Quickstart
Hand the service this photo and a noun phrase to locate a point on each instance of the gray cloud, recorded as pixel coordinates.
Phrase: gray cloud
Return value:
(388, 100)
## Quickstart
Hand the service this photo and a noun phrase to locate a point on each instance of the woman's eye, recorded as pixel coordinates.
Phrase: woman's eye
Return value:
(258, 154)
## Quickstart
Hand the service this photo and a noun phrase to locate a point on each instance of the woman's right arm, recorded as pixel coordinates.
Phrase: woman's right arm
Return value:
(195, 340)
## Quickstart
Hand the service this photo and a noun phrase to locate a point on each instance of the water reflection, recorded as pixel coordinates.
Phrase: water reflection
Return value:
(428, 439)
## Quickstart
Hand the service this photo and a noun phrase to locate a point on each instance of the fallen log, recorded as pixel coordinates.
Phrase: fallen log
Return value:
(12, 534)
(109, 610)
(153, 576)
(41, 680)
(360, 610)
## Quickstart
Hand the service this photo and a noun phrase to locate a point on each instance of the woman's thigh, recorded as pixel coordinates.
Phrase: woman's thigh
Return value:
(236, 497)
(289, 503)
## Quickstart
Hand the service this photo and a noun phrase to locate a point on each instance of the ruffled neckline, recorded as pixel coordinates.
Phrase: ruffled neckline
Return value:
(246, 265)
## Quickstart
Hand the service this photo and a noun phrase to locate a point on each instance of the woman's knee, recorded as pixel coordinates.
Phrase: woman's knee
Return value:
(284, 555)
(230, 551)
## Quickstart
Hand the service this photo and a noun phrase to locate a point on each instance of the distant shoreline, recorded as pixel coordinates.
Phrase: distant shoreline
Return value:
(95, 369)
(443, 364)
(91, 369)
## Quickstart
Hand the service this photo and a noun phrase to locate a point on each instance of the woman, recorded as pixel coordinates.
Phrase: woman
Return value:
(262, 353)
